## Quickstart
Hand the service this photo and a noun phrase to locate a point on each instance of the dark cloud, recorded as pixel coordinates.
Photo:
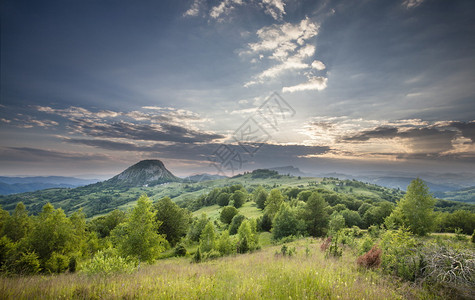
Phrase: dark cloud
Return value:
(147, 132)
(467, 129)
(379, 132)
(21, 154)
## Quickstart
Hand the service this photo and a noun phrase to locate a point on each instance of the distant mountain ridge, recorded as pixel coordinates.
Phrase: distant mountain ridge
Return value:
(14, 185)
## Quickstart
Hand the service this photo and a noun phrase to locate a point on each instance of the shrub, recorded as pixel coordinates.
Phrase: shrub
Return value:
(334, 248)
(365, 245)
(180, 250)
(213, 254)
(473, 237)
(57, 263)
(27, 264)
(326, 243)
(108, 262)
(197, 256)
(401, 254)
(371, 259)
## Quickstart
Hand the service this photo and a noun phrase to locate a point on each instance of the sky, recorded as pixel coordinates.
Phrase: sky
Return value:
(90, 87)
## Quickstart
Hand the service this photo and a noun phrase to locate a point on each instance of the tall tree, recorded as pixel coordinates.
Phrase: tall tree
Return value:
(138, 237)
(315, 215)
(274, 200)
(19, 224)
(260, 197)
(286, 222)
(208, 238)
(175, 220)
(415, 210)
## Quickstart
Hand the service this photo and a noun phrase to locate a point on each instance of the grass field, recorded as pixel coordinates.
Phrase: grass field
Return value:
(259, 275)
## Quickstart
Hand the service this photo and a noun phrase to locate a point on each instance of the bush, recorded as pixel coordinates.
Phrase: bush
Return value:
(180, 250)
(227, 214)
(213, 254)
(108, 262)
(401, 254)
(197, 257)
(473, 237)
(365, 245)
(235, 223)
(334, 248)
(372, 258)
(27, 264)
(326, 243)
(57, 263)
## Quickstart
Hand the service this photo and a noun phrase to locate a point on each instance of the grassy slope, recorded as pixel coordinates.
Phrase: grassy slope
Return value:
(260, 275)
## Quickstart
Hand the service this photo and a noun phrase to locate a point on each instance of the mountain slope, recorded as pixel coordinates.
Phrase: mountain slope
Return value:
(144, 173)
(13, 185)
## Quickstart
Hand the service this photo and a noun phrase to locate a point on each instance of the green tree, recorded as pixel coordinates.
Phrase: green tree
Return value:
(248, 240)
(223, 199)
(238, 198)
(19, 224)
(415, 210)
(352, 218)
(197, 227)
(138, 236)
(315, 215)
(174, 220)
(52, 232)
(225, 245)
(260, 197)
(208, 238)
(285, 223)
(235, 223)
(273, 203)
(227, 214)
(337, 222)
(105, 224)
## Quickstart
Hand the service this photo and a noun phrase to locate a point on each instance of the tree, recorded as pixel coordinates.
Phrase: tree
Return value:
(208, 238)
(138, 237)
(336, 223)
(223, 199)
(273, 203)
(197, 227)
(225, 245)
(235, 223)
(175, 220)
(105, 224)
(315, 215)
(260, 197)
(352, 218)
(285, 223)
(52, 232)
(248, 240)
(227, 214)
(19, 224)
(238, 198)
(415, 210)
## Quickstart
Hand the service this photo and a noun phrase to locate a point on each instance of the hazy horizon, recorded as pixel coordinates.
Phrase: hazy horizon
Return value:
(232, 86)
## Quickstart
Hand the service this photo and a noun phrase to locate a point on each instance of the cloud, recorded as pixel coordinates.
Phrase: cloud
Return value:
(411, 3)
(286, 47)
(315, 83)
(160, 124)
(467, 129)
(224, 8)
(274, 8)
(36, 154)
(378, 132)
(194, 10)
(318, 65)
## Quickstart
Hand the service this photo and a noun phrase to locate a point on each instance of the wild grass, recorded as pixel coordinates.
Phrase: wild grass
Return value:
(260, 275)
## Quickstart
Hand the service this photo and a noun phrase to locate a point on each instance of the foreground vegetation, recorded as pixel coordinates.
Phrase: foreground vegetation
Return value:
(108, 253)
(266, 274)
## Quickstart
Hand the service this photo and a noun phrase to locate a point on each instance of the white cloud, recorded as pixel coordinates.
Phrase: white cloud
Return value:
(318, 65)
(315, 83)
(224, 8)
(411, 3)
(288, 45)
(274, 8)
(194, 10)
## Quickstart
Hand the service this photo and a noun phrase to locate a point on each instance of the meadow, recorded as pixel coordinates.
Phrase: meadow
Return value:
(264, 274)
